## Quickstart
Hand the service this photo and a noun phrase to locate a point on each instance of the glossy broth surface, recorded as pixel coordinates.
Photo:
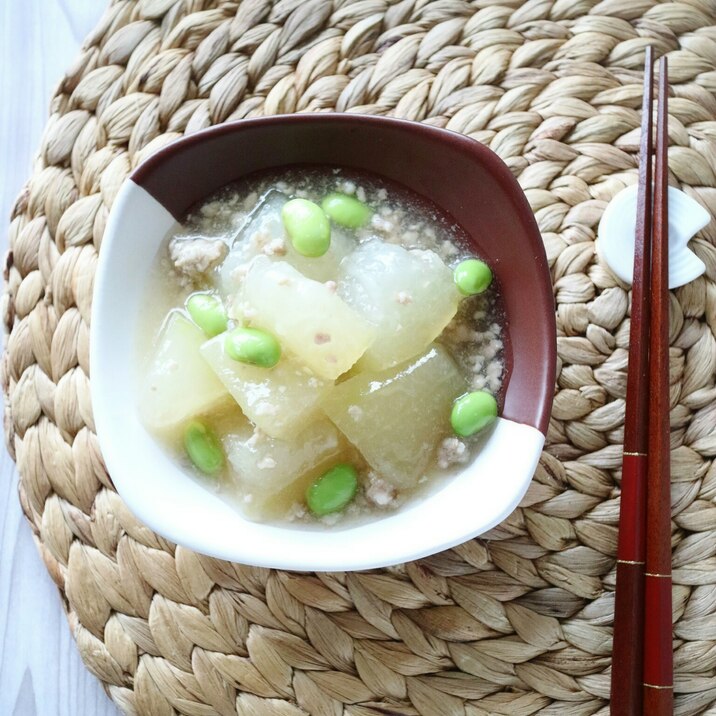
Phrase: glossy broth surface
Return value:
(376, 344)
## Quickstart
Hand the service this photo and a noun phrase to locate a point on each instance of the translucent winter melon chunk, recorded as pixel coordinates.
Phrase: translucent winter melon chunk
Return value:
(307, 317)
(266, 466)
(396, 417)
(280, 400)
(409, 296)
(323, 268)
(265, 506)
(263, 234)
(179, 383)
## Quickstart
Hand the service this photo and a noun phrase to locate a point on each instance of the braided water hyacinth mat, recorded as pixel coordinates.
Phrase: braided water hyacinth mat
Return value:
(517, 622)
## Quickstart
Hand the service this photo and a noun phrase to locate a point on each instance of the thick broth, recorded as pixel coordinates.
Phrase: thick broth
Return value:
(398, 446)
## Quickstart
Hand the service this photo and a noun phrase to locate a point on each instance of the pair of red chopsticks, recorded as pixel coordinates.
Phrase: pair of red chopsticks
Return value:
(642, 655)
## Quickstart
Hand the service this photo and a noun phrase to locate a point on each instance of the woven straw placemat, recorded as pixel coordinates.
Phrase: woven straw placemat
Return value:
(516, 623)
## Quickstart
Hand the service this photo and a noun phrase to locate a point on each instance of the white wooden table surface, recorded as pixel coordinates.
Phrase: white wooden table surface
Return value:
(40, 669)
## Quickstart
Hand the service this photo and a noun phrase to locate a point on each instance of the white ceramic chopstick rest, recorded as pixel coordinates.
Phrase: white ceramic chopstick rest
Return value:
(615, 242)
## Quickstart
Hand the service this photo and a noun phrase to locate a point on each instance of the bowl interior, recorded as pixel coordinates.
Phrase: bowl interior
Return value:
(463, 178)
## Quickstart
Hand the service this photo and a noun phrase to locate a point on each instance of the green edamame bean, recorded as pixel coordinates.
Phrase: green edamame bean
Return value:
(307, 227)
(254, 346)
(473, 412)
(203, 447)
(333, 490)
(346, 210)
(472, 276)
(208, 313)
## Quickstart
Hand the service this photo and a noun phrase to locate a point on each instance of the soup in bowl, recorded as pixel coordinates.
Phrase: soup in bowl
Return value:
(322, 342)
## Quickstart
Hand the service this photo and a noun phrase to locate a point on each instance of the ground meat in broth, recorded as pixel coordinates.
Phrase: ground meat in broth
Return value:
(473, 337)
(193, 258)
